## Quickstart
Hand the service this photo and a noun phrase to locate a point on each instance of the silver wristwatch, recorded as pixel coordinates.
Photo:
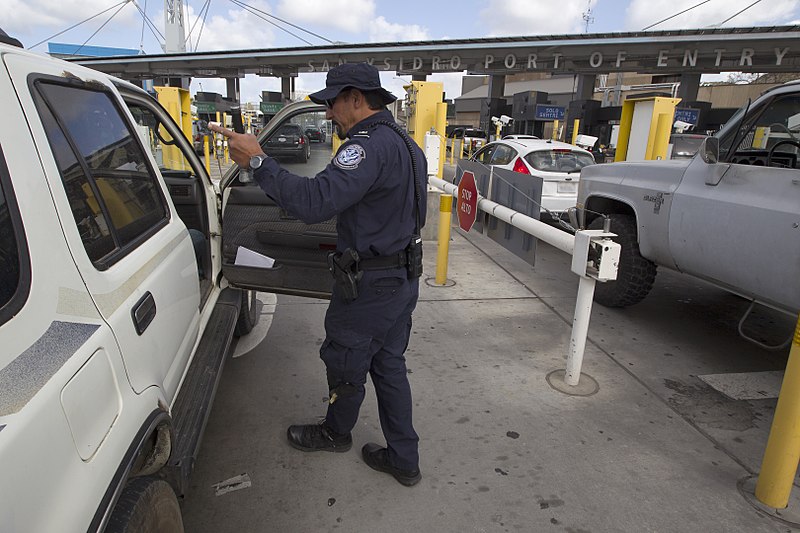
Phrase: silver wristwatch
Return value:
(256, 161)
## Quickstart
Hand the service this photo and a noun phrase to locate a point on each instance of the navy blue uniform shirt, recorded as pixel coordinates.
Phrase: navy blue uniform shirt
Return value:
(368, 184)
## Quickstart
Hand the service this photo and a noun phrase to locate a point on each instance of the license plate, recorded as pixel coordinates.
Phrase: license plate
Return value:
(569, 187)
(281, 139)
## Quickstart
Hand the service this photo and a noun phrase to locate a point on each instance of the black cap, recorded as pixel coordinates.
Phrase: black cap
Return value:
(361, 76)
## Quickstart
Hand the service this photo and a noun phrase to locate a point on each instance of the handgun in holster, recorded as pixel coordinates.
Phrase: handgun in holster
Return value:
(346, 274)
(414, 257)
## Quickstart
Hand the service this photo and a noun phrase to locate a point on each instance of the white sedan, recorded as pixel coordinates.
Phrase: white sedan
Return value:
(558, 164)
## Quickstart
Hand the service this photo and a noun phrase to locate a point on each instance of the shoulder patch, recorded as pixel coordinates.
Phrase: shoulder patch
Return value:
(350, 156)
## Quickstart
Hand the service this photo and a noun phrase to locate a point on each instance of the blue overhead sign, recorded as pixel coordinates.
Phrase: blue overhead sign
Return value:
(687, 115)
(549, 112)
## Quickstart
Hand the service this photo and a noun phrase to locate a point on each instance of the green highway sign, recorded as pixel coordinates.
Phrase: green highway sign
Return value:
(270, 108)
(206, 107)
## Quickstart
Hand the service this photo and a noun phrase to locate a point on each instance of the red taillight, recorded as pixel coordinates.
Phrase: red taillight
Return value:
(302, 140)
(520, 167)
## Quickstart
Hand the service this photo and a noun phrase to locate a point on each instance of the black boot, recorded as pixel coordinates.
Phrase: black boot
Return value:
(318, 437)
(377, 458)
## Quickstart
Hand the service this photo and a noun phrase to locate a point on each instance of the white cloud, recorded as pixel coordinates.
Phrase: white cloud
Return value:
(533, 17)
(348, 15)
(21, 18)
(381, 30)
(235, 30)
(642, 13)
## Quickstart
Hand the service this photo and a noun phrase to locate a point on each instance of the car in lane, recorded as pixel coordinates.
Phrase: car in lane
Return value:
(315, 133)
(289, 141)
(470, 140)
(518, 136)
(558, 164)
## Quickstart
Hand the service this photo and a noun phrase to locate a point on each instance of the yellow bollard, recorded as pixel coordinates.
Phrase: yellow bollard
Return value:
(782, 455)
(575, 126)
(554, 136)
(206, 153)
(445, 217)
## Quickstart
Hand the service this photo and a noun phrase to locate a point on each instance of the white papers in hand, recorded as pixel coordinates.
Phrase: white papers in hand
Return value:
(247, 257)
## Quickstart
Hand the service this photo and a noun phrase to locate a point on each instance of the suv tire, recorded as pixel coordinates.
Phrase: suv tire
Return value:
(635, 276)
(248, 314)
(147, 505)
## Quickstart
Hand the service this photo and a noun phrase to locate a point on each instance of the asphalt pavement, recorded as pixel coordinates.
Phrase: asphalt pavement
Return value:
(656, 448)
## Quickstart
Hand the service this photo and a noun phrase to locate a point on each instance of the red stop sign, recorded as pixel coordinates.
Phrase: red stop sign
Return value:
(467, 205)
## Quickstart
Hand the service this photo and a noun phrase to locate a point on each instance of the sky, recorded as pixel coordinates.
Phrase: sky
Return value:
(233, 24)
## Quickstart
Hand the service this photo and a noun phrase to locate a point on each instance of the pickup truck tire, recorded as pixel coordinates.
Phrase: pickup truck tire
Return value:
(248, 316)
(635, 275)
(147, 505)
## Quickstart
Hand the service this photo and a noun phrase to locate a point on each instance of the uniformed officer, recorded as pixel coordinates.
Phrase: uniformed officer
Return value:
(369, 184)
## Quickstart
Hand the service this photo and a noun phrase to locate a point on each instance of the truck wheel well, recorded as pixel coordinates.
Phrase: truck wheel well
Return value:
(596, 206)
(154, 453)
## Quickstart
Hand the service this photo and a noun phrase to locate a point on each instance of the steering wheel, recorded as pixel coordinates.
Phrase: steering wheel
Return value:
(784, 141)
(784, 128)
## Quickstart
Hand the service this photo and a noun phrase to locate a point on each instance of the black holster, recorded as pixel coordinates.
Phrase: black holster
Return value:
(344, 268)
(414, 257)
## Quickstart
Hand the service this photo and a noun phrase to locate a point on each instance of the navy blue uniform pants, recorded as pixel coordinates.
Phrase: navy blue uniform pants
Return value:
(369, 336)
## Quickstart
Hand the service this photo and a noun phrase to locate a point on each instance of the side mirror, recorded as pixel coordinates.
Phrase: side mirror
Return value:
(709, 150)
(709, 153)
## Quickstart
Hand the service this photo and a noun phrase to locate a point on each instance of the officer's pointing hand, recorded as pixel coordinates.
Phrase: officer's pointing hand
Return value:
(242, 146)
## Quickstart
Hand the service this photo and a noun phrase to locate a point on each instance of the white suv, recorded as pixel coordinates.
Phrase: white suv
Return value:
(116, 304)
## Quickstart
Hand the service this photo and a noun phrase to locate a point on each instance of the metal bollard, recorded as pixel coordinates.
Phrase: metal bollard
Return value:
(445, 217)
(207, 154)
(782, 455)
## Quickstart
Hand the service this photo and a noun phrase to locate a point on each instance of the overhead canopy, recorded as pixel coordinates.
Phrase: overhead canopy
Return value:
(756, 49)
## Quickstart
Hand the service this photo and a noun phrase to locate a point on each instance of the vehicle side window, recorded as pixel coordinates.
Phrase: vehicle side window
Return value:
(115, 200)
(503, 155)
(484, 155)
(14, 265)
(778, 121)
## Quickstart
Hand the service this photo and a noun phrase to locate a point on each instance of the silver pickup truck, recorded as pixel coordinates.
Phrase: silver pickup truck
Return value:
(730, 215)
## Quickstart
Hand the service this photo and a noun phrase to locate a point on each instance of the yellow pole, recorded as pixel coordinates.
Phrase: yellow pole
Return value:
(216, 136)
(575, 126)
(206, 153)
(225, 141)
(442, 156)
(661, 140)
(782, 455)
(555, 131)
(445, 217)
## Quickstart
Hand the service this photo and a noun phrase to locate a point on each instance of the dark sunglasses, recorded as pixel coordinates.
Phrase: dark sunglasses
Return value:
(329, 103)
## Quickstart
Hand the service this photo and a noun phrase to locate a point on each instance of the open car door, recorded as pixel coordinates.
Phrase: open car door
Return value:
(253, 222)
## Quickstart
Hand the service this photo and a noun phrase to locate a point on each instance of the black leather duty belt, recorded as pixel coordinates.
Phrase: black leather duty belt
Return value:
(395, 260)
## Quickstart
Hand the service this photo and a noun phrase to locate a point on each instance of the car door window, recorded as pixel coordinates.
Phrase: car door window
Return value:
(503, 155)
(112, 191)
(14, 266)
(485, 155)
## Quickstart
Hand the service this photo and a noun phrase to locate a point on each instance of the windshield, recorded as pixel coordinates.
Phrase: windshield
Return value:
(558, 160)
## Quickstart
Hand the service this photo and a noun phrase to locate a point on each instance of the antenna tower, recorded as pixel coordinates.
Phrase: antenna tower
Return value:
(587, 16)
(175, 29)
